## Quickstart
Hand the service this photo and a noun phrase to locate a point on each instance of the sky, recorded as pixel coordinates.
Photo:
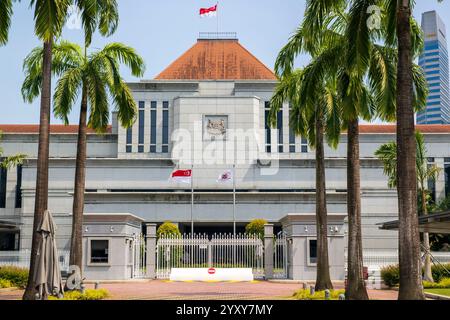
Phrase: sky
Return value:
(161, 31)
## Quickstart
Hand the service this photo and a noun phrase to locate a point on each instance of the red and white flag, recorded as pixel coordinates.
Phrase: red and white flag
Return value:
(227, 176)
(181, 176)
(208, 12)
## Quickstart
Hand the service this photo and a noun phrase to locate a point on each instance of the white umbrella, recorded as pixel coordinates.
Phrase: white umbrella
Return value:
(47, 278)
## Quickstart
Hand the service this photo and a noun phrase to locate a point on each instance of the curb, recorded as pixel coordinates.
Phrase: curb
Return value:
(9, 289)
(436, 296)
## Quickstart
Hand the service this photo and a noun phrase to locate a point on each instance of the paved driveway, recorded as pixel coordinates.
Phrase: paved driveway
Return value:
(166, 290)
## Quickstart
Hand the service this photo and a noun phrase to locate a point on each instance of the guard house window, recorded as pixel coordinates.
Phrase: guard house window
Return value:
(153, 127)
(267, 127)
(447, 176)
(280, 130)
(3, 180)
(431, 183)
(99, 251)
(129, 147)
(141, 126)
(312, 251)
(165, 132)
(304, 145)
(19, 187)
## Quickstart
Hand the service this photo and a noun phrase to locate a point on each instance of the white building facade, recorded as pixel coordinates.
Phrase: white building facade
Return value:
(206, 112)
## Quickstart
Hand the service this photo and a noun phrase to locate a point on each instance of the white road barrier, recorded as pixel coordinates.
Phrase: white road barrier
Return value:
(211, 274)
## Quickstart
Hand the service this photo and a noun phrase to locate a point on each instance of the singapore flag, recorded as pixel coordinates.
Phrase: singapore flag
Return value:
(208, 12)
(181, 176)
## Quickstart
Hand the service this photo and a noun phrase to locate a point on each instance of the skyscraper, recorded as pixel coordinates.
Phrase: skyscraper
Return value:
(434, 62)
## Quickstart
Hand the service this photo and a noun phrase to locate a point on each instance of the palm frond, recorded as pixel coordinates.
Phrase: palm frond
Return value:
(420, 87)
(6, 11)
(96, 81)
(123, 54)
(109, 17)
(66, 93)
(50, 17)
(13, 161)
(387, 154)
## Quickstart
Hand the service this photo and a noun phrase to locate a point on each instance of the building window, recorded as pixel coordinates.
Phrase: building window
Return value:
(447, 176)
(3, 181)
(141, 131)
(304, 145)
(280, 130)
(9, 240)
(99, 253)
(129, 148)
(291, 134)
(312, 252)
(19, 187)
(153, 127)
(267, 127)
(165, 133)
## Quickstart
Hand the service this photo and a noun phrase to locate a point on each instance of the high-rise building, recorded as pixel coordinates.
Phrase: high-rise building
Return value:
(434, 62)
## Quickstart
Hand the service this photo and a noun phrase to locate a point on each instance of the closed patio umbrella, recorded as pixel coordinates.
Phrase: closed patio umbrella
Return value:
(47, 279)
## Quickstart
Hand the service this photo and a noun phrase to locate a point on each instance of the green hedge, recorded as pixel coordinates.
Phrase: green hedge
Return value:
(18, 277)
(168, 229)
(5, 284)
(89, 294)
(391, 274)
(305, 294)
(443, 284)
(256, 227)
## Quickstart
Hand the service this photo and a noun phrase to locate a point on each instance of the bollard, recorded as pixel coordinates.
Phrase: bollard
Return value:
(312, 290)
(342, 296)
(327, 294)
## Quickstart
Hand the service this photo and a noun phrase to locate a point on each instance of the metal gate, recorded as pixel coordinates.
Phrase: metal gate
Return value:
(138, 256)
(198, 251)
(280, 256)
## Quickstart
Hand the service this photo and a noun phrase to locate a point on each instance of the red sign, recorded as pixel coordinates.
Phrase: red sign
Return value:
(211, 271)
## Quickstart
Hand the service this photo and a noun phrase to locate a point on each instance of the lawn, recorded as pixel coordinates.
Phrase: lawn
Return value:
(442, 292)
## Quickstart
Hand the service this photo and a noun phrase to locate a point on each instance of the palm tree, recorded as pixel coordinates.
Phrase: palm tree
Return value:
(11, 161)
(96, 76)
(49, 17)
(363, 66)
(387, 153)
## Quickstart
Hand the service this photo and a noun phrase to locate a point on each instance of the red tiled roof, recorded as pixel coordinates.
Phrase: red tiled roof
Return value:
(217, 60)
(392, 128)
(34, 128)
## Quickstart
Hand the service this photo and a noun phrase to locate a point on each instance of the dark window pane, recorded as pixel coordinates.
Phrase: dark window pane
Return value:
(165, 104)
(3, 180)
(313, 251)
(165, 149)
(99, 251)
(304, 149)
(447, 180)
(165, 137)
(9, 241)
(141, 126)
(141, 104)
(280, 149)
(128, 149)
(280, 127)
(430, 160)
(268, 149)
(129, 135)
(152, 149)
(267, 126)
(140, 149)
(153, 127)
(291, 136)
(153, 104)
(19, 188)
(292, 149)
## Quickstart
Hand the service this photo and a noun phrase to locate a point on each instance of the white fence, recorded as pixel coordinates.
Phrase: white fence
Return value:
(21, 259)
(198, 251)
(139, 257)
(380, 258)
(280, 257)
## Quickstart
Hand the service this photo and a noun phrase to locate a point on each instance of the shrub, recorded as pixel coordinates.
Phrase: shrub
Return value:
(89, 294)
(305, 294)
(256, 227)
(390, 275)
(167, 229)
(5, 284)
(443, 284)
(17, 276)
(438, 272)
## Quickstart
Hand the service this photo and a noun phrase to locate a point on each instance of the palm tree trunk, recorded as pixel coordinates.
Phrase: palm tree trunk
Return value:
(41, 198)
(323, 280)
(427, 274)
(76, 244)
(409, 240)
(356, 287)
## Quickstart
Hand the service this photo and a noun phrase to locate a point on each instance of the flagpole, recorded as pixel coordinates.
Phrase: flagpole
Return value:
(234, 199)
(217, 14)
(192, 200)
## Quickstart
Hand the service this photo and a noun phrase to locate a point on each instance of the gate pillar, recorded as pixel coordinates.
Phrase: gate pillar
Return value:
(268, 251)
(151, 250)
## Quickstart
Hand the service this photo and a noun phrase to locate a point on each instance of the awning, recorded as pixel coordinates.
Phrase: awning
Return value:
(437, 223)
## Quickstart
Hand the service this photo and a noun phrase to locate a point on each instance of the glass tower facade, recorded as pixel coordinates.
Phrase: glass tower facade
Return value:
(434, 62)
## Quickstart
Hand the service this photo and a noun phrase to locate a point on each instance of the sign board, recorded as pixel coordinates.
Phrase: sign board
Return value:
(211, 274)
